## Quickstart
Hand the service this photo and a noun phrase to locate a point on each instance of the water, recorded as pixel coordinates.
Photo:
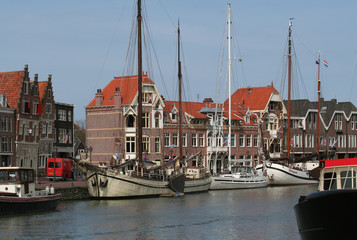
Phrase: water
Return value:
(265, 213)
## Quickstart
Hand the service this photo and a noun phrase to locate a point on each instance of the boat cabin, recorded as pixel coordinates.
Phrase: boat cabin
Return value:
(16, 181)
(338, 174)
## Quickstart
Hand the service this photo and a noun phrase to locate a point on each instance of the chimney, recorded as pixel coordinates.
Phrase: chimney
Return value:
(99, 97)
(334, 100)
(117, 98)
(208, 100)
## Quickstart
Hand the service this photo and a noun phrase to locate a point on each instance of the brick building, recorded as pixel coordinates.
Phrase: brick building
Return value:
(111, 120)
(27, 113)
(338, 128)
(7, 133)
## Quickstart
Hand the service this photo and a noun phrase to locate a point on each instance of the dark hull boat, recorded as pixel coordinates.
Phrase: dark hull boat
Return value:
(327, 213)
(13, 205)
(19, 195)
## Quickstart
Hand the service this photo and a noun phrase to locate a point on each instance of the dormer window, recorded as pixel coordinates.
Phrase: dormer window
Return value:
(173, 116)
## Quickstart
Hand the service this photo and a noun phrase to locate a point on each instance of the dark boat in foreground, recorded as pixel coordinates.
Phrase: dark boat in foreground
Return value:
(329, 213)
(18, 193)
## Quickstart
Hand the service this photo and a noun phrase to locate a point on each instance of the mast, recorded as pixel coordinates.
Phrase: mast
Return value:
(229, 89)
(318, 109)
(289, 87)
(140, 95)
(180, 95)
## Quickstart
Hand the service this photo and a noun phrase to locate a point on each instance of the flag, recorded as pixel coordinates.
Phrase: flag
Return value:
(66, 138)
(325, 63)
(317, 62)
(225, 142)
(334, 143)
(292, 141)
(177, 163)
(324, 142)
(280, 127)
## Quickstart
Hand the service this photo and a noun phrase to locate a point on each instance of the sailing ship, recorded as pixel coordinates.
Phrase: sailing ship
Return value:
(239, 176)
(285, 174)
(198, 180)
(325, 214)
(142, 181)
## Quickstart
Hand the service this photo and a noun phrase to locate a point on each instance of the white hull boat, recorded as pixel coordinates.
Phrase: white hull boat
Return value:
(280, 175)
(241, 177)
(113, 184)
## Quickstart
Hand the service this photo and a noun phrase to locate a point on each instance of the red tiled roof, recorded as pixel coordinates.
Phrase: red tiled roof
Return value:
(128, 86)
(10, 85)
(42, 87)
(256, 98)
(191, 108)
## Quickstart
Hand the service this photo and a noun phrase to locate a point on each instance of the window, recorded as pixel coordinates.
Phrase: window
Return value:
(255, 140)
(48, 108)
(175, 139)
(202, 139)
(62, 135)
(272, 122)
(146, 122)
(241, 140)
(26, 87)
(69, 116)
(130, 145)
(157, 120)
(26, 107)
(167, 139)
(184, 139)
(62, 115)
(233, 140)
(3, 123)
(173, 116)
(146, 144)
(194, 140)
(249, 140)
(147, 97)
(4, 145)
(353, 122)
(157, 145)
(348, 179)
(130, 120)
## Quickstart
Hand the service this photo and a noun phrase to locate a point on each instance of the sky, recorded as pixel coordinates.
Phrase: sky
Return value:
(83, 44)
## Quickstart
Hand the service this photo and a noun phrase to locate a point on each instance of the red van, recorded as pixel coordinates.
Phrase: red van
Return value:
(63, 168)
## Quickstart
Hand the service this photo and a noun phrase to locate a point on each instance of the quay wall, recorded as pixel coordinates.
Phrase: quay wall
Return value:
(73, 193)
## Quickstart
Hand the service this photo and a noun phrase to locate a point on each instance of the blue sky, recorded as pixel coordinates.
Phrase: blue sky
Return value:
(83, 44)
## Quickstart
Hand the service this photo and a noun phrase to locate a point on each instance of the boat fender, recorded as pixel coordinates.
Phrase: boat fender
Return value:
(103, 184)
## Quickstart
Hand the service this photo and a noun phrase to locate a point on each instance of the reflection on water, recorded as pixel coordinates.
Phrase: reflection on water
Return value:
(265, 213)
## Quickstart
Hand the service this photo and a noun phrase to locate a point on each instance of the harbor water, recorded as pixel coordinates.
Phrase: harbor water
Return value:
(265, 213)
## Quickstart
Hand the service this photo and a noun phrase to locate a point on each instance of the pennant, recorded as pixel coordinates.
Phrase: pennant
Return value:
(317, 62)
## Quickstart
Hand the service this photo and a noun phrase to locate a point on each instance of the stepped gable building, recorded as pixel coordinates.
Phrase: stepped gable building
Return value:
(23, 95)
(46, 109)
(338, 128)
(111, 122)
(7, 133)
